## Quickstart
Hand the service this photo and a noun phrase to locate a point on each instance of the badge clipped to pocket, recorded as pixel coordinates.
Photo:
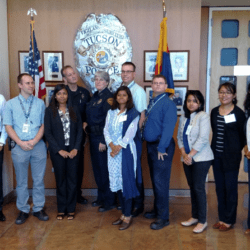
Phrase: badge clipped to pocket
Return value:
(230, 118)
(25, 128)
(188, 129)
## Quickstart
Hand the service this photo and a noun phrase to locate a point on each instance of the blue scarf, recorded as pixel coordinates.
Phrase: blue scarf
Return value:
(129, 181)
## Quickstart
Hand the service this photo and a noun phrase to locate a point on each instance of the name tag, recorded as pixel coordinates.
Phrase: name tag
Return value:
(188, 129)
(123, 118)
(25, 128)
(230, 118)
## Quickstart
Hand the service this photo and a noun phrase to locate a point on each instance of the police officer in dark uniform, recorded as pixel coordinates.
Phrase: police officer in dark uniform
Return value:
(96, 111)
(78, 96)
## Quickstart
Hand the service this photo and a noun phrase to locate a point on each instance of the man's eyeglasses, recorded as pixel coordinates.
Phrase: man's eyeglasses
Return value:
(127, 72)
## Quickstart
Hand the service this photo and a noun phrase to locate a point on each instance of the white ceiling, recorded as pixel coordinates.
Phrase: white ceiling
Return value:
(225, 3)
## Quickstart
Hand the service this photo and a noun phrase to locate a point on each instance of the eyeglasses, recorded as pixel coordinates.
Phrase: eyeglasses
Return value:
(160, 83)
(225, 93)
(127, 72)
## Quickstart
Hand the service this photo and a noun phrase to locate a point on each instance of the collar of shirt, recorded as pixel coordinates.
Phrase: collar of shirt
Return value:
(131, 84)
(158, 97)
(100, 93)
(28, 100)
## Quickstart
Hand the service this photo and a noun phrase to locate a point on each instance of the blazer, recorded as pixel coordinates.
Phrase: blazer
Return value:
(198, 137)
(53, 130)
(234, 138)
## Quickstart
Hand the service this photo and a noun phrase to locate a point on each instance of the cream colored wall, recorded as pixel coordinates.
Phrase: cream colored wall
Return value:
(58, 21)
(5, 91)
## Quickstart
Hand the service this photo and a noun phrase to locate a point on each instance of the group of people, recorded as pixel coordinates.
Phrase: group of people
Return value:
(116, 125)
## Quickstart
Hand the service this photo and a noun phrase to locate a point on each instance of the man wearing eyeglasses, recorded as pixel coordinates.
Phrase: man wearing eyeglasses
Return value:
(139, 99)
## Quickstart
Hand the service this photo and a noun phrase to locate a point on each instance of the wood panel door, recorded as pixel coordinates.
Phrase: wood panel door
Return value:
(241, 43)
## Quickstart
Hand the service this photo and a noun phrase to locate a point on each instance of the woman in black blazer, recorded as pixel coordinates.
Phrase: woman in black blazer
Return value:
(63, 131)
(228, 140)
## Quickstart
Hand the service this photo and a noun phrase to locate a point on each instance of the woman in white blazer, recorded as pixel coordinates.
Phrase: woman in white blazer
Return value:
(197, 156)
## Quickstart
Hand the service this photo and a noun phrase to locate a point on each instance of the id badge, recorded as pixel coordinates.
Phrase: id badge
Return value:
(123, 118)
(188, 129)
(230, 118)
(25, 128)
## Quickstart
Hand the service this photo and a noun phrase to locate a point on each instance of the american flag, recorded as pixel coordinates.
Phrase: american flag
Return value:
(36, 69)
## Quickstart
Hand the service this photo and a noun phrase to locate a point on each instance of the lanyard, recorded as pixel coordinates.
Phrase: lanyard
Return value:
(24, 112)
(129, 86)
(150, 109)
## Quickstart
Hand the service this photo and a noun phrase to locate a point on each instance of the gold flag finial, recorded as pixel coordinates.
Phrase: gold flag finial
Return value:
(164, 8)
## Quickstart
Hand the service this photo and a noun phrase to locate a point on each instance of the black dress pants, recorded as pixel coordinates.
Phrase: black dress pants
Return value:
(66, 182)
(80, 167)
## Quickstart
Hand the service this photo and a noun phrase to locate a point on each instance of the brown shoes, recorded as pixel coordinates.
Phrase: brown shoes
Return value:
(225, 228)
(119, 221)
(217, 225)
(126, 223)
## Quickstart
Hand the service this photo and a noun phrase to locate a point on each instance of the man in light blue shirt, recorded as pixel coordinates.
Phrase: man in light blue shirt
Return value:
(3, 137)
(140, 102)
(23, 120)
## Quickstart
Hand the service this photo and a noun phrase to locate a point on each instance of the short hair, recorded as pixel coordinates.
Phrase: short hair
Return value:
(160, 76)
(20, 76)
(64, 68)
(231, 88)
(129, 63)
(104, 75)
(198, 96)
(129, 104)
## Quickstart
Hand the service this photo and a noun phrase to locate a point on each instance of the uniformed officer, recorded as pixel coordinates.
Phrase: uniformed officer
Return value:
(161, 117)
(96, 112)
(78, 96)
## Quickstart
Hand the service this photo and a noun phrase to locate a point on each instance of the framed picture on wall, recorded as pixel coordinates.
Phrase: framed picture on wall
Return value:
(149, 93)
(23, 58)
(149, 64)
(49, 93)
(179, 97)
(180, 65)
(52, 65)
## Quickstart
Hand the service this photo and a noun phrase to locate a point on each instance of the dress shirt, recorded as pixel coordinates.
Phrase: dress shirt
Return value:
(14, 116)
(139, 96)
(161, 122)
(4, 135)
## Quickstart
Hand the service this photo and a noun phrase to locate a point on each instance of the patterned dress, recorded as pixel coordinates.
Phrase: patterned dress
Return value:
(113, 133)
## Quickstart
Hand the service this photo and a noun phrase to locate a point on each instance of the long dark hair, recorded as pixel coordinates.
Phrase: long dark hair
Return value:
(129, 104)
(231, 88)
(54, 105)
(198, 97)
(247, 101)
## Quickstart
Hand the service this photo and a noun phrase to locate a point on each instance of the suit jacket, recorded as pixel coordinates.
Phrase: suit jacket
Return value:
(234, 138)
(198, 137)
(53, 130)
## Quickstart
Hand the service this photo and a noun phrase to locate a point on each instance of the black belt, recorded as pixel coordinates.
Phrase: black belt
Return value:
(96, 130)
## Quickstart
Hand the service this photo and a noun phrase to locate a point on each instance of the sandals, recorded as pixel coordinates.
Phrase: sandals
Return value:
(60, 216)
(71, 216)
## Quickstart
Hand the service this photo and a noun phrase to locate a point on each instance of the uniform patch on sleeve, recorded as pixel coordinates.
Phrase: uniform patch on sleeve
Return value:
(110, 101)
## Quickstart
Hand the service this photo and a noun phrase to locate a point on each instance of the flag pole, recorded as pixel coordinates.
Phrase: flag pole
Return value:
(31, 13)
(164, 8)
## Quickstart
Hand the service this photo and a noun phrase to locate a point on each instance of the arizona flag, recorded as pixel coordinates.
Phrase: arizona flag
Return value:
(35, 67)
(163, 65)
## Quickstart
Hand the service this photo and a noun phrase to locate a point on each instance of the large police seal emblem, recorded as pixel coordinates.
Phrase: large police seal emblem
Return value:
(102, 43)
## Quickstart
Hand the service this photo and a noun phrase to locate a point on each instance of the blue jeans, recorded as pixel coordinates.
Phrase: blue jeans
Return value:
(160, 172)
(196, 177)
(126, 204)
(226, 190)
(37, 158)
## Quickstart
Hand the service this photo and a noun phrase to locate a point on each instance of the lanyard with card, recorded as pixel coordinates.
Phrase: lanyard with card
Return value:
(26, 125)
(188, 129)
(230, 118)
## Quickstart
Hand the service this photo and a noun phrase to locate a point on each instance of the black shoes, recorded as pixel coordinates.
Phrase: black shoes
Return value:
(41, 215)
(150, 215)
(82, 200)
(22, 217)
(137, 211)
(96, 203)
(159, 224)
(2, 217)
(105, 208)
